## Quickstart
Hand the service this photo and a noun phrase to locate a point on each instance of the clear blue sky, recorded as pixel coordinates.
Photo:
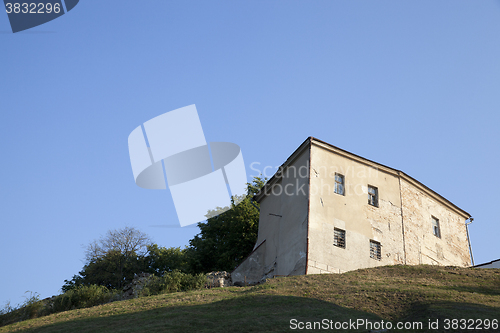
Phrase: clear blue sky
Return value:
(410, 84)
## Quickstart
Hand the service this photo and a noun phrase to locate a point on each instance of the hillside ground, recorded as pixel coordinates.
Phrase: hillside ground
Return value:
(407, 295)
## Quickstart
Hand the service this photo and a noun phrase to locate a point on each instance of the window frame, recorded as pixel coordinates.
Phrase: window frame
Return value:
(342, 242)
(375, 204)
(375, 255)
(435, 226)
(342, 184)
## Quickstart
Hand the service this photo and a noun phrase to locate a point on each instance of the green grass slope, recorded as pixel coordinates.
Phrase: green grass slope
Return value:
(406, 294)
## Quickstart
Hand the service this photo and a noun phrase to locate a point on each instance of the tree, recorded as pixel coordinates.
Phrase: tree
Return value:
(160, 259)
(226, 239)
(113, 260)
(223, 242)
(127, 241)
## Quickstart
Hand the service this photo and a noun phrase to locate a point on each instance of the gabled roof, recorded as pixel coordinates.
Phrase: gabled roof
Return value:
(397, 173)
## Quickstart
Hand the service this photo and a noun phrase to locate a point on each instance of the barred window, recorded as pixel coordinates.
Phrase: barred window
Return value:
(373, 196)
(339, 237)
(435, 227)
(375, 250)
(339, 184)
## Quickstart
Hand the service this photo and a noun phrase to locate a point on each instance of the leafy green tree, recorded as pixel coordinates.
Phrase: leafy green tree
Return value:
(113, 270)
(161, 259)
(224, 241)
(112, 260)
(227, 239)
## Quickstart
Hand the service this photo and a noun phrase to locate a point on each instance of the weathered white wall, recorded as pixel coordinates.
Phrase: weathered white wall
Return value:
(297, 221)
(252, 269)
(352, 213)
(282, 224)
(422, 246)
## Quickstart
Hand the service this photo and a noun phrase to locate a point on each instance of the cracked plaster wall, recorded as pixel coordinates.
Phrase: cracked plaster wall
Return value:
(295, 232)
(422, 246)
(282, 225)
(352, 213)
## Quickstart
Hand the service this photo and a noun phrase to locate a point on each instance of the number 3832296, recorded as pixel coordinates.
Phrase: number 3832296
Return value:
(32, 8)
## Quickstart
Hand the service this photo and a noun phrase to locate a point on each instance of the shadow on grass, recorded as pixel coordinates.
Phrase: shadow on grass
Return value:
(252, 313)
(491, 291)
(441, 311)
(257, 313)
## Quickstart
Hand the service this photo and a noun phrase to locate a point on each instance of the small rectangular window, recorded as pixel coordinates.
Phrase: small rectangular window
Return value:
(435, 227)
(375, 250)
(339, 237)
(339, 184)
(373, 196)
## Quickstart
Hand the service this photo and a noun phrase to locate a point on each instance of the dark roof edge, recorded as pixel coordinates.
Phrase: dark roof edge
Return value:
(401, 174)
(288, 161)
(398, 173)
(487, 263)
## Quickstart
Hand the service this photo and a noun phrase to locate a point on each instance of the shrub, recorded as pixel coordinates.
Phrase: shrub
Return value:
(32, 307)
(172, 282)
(83, 297)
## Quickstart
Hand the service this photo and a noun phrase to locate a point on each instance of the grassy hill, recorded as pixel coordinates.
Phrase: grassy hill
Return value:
(406, 294)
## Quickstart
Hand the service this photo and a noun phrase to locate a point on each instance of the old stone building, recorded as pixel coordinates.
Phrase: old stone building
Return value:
(327, 210)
